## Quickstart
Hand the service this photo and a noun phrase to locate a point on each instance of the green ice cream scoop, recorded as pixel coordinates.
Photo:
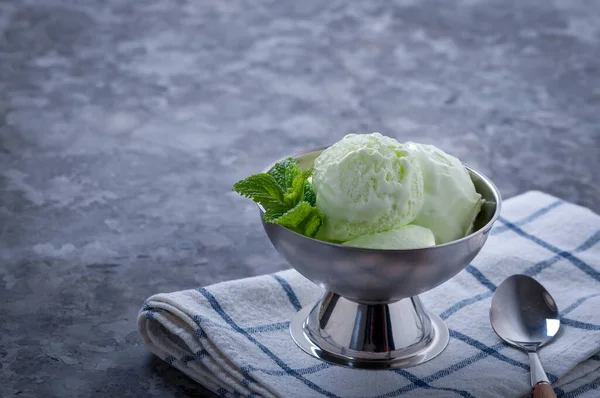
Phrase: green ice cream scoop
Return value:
(365, 184)
(406, 237)
(451, 202)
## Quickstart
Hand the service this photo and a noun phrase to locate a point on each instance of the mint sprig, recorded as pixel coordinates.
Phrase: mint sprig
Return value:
(287, 196)
(263, 189)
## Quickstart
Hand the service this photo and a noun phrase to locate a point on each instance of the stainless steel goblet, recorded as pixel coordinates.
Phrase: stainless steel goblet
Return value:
(370, 315)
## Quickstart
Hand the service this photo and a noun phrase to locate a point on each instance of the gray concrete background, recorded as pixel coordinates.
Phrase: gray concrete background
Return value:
(123, 125)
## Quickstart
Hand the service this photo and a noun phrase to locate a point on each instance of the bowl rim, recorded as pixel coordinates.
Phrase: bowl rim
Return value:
(480, 231)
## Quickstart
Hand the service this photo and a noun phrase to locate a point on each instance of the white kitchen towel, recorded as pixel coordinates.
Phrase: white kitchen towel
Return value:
(233, 337)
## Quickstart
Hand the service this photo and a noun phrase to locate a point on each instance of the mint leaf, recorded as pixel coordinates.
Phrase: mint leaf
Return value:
(263, 189)
(272, 215)
(309, 194)
(294, 217)
(295, 193)
(313, 222)
(303, 218)
(285, 172)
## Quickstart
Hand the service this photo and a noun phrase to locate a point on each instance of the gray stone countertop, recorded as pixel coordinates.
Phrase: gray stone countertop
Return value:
(123, 125)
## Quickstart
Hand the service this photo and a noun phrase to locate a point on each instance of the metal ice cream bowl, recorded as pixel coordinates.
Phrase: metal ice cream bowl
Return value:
(370, 315)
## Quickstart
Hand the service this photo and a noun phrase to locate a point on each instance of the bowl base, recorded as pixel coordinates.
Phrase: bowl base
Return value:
(369, 335)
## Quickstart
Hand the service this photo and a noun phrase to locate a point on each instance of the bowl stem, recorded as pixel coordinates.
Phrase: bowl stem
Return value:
(369, 336)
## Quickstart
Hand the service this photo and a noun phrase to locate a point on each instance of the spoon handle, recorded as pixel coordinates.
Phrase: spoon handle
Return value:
(543, 390)
(539, 380)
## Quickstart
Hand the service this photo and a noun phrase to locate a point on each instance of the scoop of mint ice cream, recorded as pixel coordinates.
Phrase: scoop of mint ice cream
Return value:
(365, 184)
(451, 202)
(406, 237)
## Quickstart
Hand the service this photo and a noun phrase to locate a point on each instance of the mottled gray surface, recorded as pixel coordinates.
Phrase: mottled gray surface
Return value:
(123, 125)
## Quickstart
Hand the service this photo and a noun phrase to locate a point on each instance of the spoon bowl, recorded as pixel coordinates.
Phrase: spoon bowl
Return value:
(525, 315)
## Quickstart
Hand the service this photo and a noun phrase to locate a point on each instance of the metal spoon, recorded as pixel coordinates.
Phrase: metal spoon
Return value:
(524, 315)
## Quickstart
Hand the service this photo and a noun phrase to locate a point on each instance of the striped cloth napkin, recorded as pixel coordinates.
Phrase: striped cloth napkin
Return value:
(233, 337)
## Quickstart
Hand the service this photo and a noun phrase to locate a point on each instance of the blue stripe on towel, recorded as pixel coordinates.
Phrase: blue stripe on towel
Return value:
(480, 277)
(578, 324)
(291, 372)
(288, 290)
(578, 391)
(503, 228)
(582, 265)
(412, 378)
